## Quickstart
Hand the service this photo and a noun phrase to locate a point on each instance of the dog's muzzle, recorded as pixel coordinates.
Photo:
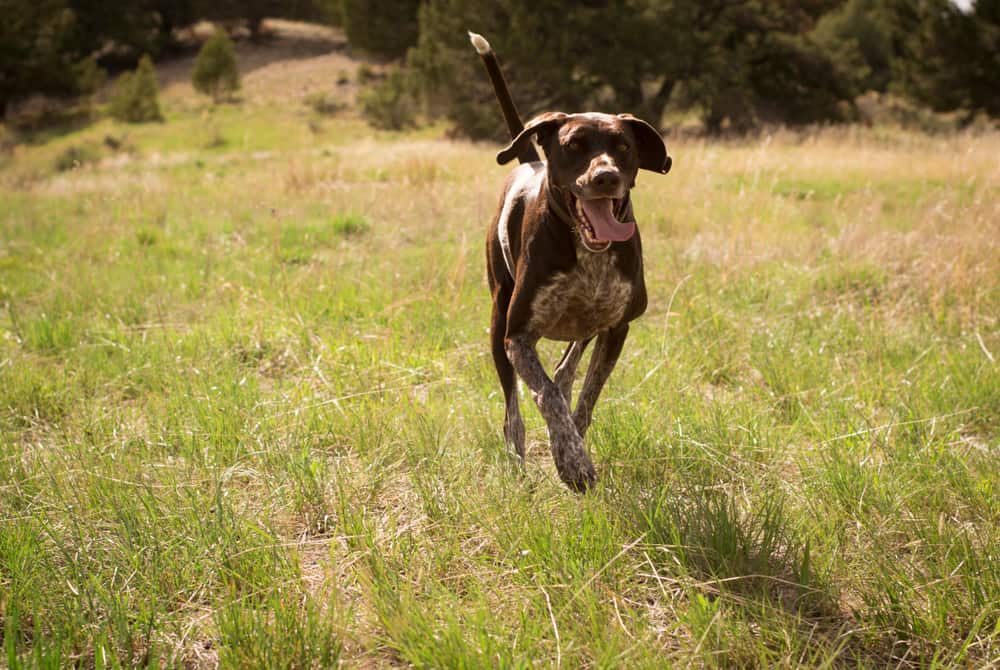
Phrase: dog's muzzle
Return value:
(598, 221)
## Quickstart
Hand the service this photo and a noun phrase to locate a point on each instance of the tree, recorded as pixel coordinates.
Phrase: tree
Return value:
(171, 15)
(385, 28)
(947, 58)
(737, 61)
(135, 99)
(856, 37)
(38, 50)
(535, 48)
(215, 71)
(51, 46)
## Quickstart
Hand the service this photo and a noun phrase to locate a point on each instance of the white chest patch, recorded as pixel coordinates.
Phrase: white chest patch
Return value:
(578, 304)
(527, 180)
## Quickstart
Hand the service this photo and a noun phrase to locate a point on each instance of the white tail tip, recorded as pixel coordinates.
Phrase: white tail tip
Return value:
(478, 41)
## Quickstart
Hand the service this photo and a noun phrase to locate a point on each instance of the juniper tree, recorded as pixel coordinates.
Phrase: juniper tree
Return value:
(136, 95)
(215, 72)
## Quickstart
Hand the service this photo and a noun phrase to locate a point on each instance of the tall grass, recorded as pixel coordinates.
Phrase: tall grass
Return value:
(249, 417)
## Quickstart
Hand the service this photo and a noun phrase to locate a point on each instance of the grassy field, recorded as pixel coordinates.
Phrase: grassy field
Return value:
(249, 417)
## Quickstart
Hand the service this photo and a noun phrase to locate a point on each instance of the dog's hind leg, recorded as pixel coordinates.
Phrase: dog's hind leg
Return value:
(513, 425)
(602, 362)
(566, 369)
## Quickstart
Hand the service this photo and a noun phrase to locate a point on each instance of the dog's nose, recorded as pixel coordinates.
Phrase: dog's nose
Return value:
(607, 179)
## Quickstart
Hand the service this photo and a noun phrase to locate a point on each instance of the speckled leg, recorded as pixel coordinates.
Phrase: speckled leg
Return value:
(566, 369)
(572, 461)
(602, 362)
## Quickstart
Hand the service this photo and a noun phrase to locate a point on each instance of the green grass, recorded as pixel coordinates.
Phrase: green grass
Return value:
(249, 418)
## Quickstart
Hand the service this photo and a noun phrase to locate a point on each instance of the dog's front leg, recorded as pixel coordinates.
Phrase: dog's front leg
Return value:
(566, 368)
(602, 362)
(572, 461)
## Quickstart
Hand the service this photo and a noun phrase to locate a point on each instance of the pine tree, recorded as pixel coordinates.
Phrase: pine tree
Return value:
(135, 100)
(215, 72)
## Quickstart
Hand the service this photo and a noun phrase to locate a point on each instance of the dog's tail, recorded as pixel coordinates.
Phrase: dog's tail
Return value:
(510, 115)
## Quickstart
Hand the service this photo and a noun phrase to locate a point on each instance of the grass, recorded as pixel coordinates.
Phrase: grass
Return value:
(249, 416)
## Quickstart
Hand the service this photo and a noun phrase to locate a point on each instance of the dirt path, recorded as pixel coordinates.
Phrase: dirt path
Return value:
(295, 60)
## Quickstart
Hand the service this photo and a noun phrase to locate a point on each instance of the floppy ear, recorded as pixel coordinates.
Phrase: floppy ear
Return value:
(652, 151)
(540, 125)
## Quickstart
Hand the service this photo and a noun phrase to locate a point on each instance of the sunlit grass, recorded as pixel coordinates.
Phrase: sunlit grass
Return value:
(249, 416)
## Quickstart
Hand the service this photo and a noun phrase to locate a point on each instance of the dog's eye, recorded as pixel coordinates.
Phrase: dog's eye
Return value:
(624, 148)
(574, 145)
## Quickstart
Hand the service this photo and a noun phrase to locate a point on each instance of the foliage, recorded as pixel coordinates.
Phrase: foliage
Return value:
(889, 109)
(215, 72)
(856, 36)
(76, 156)
(752, 64)
(739, 62)
(252, 11)
(136, 95)
(385, 28)
(330, 12)
(38, 51)
(948, 59)
(350, 224)
(541, 77)
(45, 45)
(323, 103)
(390, 104)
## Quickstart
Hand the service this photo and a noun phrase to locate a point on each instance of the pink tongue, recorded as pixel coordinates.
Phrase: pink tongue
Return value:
(601, 216)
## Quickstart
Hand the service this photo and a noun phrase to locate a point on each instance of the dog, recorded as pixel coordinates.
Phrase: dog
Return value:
(564, 262)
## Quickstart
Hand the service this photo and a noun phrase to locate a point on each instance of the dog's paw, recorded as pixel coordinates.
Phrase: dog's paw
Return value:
(574, 465)
(580, 480)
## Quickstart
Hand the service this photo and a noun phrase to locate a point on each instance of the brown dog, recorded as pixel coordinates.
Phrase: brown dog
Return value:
(565, 262)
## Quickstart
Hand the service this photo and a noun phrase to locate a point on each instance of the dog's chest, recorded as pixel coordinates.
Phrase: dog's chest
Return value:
(578, 304)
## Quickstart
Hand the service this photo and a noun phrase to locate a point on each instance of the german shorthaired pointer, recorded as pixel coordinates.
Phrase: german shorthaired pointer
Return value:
(565, 261)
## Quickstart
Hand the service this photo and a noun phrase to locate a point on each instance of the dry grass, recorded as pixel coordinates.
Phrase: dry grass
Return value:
(249, 416)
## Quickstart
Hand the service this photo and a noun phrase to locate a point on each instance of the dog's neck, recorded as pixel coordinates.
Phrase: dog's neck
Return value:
(557, 203)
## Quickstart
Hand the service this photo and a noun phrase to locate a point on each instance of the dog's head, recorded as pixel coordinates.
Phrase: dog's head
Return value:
(593, 160)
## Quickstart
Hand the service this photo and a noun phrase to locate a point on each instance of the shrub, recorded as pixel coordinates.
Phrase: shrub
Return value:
(350, 224)
(215, 72)
(76, 156)
(366, 74)
(887, 109)
(390, 104)
(135, 99)
(323, 103)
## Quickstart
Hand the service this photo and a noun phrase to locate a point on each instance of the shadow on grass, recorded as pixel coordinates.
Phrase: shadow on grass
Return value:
(747, 574)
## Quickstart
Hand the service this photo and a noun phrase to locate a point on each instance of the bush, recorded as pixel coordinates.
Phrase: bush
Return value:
(135, 99)
(76, 156)
(350, 224)
(366, 74)
(886, 109)
(323, 103)
(215, 72)
(391, 103)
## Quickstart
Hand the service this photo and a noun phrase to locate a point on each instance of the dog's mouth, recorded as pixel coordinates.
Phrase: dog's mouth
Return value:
(597, 221)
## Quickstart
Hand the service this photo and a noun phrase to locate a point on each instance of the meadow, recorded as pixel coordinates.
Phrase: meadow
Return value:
(249, 416)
